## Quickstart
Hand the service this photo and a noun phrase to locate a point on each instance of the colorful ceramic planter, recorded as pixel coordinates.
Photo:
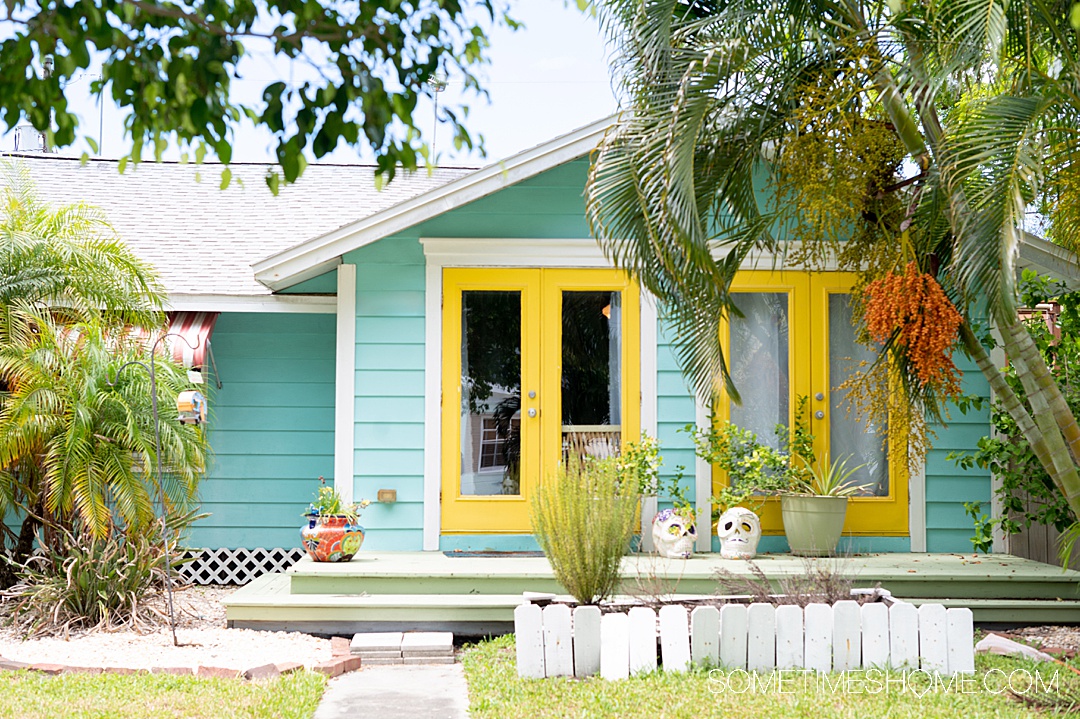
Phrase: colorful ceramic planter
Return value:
(331, 538)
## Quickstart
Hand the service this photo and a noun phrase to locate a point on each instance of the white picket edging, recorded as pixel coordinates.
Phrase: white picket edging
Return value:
(760, 637)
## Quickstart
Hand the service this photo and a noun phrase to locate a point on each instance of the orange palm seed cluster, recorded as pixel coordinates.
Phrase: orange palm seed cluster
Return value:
(914, 305)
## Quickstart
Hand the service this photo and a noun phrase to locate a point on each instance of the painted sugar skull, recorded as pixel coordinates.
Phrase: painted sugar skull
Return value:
(739, 531)
(673, 534)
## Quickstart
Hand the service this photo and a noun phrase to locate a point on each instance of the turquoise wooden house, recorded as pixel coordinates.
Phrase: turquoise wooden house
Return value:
(449, 337)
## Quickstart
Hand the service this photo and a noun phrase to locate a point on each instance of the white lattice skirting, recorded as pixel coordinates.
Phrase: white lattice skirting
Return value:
(235, 566)
(555, 641)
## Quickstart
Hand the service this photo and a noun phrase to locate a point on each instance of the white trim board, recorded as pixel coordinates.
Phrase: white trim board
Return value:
(345, 383)
(433, 293)
(311, 258)
(311, 304)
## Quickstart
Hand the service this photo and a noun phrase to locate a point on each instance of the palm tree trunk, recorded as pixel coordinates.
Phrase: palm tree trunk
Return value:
(1057, 425)
(1039, 426)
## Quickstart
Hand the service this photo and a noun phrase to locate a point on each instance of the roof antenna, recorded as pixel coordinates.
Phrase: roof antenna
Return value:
(437, 82)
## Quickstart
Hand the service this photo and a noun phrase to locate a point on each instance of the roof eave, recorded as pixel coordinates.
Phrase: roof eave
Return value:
(323, 253)
(1046, 258)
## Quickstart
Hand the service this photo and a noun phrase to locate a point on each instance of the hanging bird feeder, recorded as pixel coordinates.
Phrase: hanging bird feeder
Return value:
(191, 406)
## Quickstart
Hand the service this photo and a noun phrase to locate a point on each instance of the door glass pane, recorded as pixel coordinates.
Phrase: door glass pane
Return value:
(849, 439)
(490, 392)
(591, 373)
(759, 364)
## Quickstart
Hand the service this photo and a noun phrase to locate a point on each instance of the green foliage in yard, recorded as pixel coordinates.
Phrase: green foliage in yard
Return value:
(584, 521)
(29, 695)
(496, 692)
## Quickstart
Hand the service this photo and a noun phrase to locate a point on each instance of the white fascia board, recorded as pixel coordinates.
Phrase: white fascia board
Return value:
(1047, 258)
(310, 304)
(508, 252)
(284, 268)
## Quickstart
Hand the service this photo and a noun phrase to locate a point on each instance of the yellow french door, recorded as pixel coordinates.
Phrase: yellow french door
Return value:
(537, 364)
(796, 338)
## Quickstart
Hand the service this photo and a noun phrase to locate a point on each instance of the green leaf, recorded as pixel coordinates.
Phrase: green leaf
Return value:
(226, 178)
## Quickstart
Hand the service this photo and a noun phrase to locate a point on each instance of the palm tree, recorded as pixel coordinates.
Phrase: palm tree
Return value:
(70, 259)
(76, 441)
(879, 132)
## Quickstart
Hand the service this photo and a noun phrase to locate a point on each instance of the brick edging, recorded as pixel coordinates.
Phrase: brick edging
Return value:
(333, 667)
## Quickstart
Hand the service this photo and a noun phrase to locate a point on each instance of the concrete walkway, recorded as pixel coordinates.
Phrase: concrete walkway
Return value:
(415, 692)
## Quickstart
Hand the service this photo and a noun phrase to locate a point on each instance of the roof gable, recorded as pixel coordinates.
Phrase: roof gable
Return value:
(314, 257)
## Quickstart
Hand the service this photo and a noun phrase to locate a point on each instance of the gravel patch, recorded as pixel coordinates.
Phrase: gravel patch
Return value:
(201, 631)
(1050, 637)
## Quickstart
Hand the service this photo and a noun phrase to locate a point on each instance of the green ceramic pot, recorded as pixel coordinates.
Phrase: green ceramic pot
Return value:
(813, 524)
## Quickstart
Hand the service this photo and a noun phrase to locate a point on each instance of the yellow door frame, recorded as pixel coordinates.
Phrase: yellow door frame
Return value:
(541, 351)
(808, 364)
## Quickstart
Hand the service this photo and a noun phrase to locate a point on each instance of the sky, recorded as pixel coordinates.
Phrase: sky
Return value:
(544, 80)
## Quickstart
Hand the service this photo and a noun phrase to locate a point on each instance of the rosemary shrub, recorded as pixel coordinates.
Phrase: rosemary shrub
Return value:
(584, 521)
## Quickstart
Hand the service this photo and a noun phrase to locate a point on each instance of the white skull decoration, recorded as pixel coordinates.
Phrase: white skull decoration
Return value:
(739, 531)
(673, 534)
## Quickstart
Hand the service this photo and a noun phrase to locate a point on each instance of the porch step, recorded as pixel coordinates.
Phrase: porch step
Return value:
(906, 575)
(1014, 611)
(266, 604)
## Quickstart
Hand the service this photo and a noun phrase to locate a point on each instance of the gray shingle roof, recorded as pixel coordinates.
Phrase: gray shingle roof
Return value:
(203, 240)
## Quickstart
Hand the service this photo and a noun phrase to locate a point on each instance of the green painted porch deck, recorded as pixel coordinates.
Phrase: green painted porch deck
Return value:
(477, 595)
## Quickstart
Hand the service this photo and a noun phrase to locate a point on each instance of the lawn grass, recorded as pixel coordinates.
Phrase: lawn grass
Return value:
(496, 692)
(31, 695)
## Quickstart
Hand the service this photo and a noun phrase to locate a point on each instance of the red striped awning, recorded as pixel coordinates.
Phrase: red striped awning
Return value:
(187, 337)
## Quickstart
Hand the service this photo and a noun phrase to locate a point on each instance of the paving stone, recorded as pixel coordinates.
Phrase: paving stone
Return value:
(351, 664)
(427, 641)
(382, 662)
(178, 671)
(378, 655)
(428, 660)
(124, 671)
(290, 667)
(217, 672)
(46, 668)
(340, 646)
(263, 671)
(376, 641)
(332, 668)
(82, 670)
(10, 665)
(425, 652)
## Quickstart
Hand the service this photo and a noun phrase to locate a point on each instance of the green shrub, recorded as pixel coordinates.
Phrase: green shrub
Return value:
(91, 583)
(584, 521)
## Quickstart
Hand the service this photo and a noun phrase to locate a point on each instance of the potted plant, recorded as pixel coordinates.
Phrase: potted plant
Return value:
(333, 533)
(814, 508)
(813, 494)
(674, 530)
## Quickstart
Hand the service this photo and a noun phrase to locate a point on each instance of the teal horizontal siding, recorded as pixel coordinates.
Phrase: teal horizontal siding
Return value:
(390, 435)
(270, 428)
(279, 395)
(388, 411)
(391, 303)
(676, 408)
(393, 409)
(948, 528)
(550, 205)
(272, 467)
(392, 330)
(372, 383)
(372, 461)
(390, 355)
